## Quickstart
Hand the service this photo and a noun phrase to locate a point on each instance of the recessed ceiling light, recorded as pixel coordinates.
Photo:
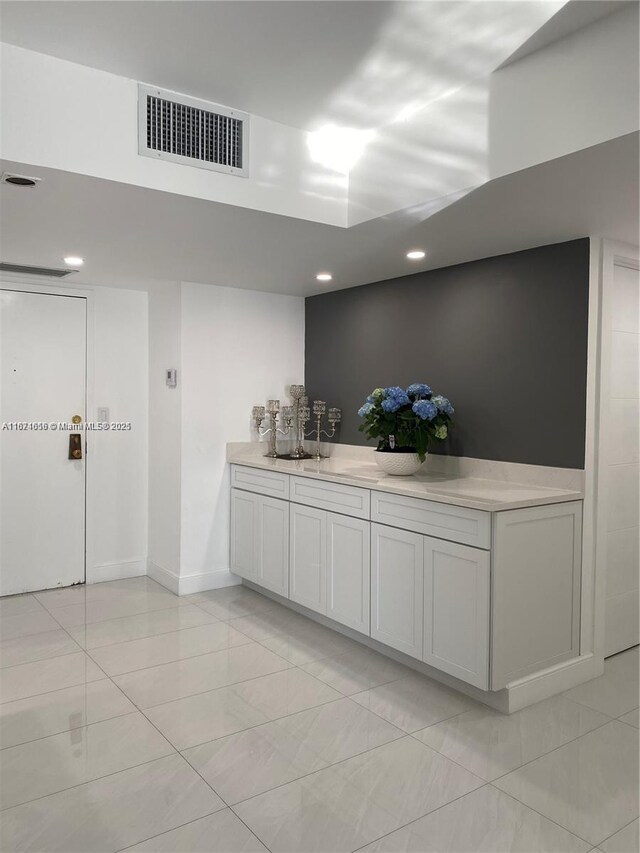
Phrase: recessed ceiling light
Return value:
(324, 276)
(74, 261)
(416, 255)
(19, 180)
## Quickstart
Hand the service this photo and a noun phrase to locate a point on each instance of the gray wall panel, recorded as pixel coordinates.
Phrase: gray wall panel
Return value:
(505, 338)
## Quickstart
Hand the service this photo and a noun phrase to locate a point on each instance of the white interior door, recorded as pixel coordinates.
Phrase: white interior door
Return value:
(42, 492)
(620, 449)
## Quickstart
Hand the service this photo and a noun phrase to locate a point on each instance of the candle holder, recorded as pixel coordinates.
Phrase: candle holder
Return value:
(276, 416)
(334, 416)
(301, 416)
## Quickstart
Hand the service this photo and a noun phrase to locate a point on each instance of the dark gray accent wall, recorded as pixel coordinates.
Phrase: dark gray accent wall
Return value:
(505, 338)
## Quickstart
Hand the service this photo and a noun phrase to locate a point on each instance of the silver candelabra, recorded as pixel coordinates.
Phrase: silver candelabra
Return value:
(333, 416)
(301, 416)
(273, 430)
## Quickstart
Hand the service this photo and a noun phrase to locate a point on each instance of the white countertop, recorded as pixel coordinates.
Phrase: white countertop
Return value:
(472, 492)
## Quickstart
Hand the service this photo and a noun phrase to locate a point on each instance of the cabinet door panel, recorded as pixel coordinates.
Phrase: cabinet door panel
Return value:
(456, 610)
(308, 557)
(244, 534)
(397, 570)
(273, 563)
(348, 571)
(536, 590)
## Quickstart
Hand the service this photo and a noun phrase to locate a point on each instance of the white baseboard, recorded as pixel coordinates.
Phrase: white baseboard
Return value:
(117, 571)
(548, 682)
(202, 581)
(188, 584)
(163, 576)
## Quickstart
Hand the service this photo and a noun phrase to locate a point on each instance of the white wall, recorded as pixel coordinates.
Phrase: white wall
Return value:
(165, 425)
(67, 116)
(118, 461)
(577, 92)
(239, 347)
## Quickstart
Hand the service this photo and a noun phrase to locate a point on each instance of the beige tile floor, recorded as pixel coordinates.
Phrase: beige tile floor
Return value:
(131, 719)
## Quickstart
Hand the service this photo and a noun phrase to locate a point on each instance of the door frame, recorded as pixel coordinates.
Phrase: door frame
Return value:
(29, 284)
(611, 254)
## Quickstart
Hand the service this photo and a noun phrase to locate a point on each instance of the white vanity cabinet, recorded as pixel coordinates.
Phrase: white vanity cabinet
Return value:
(260, 540)
(308, 555)
(488, 597)
(397, 582)
(329, 571)
(456, 610)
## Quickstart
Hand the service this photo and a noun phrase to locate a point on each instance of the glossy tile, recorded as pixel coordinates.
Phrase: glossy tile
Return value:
(110, 813)
(60, 711)
(149, 624)
(31, 679)
(16, 605)
(413, 702)
(253, 761)
(614, 693)
(52, 764)
(49, 644)
(632, 718)
(350, 804)
(484, 821)
(626, 840)
(24, 624)
(165, 648)
(269, 623)
(589, 786)
(491, 744)
(99, 610)
(262, 758)
(232, 602)
(201, 718)
(148, 687)
(310, 643)
(222, 832)
(357, 670)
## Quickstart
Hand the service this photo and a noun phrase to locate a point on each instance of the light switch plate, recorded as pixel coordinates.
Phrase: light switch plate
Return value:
(103, 415)
(171, 377)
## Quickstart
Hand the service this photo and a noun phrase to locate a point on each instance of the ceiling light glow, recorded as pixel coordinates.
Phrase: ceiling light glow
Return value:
(74, 261)
(338, 148)
(324, 276)
(416, 255)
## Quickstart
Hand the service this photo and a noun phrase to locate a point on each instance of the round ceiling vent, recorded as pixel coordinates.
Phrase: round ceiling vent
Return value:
(19, 180)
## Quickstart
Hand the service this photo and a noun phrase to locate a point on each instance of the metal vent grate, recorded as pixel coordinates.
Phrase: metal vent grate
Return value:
(186, 130)
(50, 272)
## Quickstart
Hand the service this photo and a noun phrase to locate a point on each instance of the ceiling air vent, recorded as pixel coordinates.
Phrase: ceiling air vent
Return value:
(50, 272)
(192, 132)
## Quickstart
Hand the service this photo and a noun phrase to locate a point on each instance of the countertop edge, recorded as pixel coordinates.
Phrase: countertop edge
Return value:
(551, 496)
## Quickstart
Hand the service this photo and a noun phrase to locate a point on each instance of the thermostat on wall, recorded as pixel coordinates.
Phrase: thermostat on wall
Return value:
(171, 377)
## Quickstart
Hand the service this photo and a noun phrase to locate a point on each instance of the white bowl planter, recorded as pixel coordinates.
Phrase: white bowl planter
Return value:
(397, 464)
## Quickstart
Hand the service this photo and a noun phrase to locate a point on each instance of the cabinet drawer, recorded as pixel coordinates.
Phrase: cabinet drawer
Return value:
(335, 497)
(457, 524)
(270, 483)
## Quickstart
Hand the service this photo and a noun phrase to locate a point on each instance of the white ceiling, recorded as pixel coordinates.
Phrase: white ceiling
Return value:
(131, 236)
(299, 63)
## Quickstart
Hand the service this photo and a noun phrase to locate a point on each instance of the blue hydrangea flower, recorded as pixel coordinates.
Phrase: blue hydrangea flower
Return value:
(425, 409)
(394, 398)
(419, 389)
(443, 404)
(363, 411)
